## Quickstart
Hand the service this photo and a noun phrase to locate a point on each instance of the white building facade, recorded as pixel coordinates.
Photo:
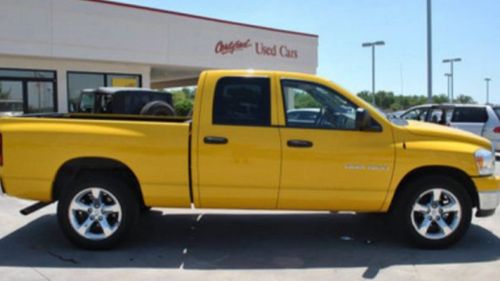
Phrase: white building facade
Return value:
(52, 49)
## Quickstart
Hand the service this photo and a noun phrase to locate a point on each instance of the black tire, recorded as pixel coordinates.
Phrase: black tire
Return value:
(407, 220)
(158, 108)
(119, 190)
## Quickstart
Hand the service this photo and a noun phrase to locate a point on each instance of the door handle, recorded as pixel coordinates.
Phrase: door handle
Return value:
(215, 140)
(299, 143)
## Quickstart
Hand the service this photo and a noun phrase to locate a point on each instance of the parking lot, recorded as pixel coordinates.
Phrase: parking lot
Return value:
(243, 245)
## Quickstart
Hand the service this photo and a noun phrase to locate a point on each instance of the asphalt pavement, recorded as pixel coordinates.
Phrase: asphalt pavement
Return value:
(178, 244)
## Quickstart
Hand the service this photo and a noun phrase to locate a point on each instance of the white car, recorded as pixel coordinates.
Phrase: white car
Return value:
(483, 120)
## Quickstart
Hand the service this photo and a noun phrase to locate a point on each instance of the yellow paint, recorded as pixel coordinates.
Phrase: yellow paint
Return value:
(344, 170)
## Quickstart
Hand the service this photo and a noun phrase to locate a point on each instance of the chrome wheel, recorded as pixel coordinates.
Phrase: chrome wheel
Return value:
(436, 214)
(95, 213)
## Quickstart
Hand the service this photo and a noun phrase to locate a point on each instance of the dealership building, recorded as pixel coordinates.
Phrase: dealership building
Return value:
(52, 49)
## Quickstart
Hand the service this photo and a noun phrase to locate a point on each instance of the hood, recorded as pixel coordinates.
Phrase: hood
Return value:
(435, 131)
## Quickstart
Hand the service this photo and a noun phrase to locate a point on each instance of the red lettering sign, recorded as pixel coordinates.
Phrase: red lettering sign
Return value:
(261, 49)
(231, 47)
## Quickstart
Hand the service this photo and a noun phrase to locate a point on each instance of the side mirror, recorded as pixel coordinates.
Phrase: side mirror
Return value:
(363, 119)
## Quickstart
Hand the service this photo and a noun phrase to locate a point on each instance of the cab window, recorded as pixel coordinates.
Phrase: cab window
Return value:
(242, 101)
(309, 105)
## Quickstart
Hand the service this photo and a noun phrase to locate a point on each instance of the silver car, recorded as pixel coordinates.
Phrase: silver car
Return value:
(483, 120)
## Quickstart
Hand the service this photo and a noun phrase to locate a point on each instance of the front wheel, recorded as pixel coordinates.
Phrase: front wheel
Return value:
(97, 214)
(435, 212)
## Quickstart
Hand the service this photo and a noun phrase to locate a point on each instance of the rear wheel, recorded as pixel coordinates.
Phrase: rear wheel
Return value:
(97, 213)
(434, 212)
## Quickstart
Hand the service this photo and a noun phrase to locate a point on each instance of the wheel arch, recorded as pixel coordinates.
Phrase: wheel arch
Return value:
(77, 167)
(451, 172)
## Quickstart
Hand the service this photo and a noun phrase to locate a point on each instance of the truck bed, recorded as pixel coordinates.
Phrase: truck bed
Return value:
(154, 148)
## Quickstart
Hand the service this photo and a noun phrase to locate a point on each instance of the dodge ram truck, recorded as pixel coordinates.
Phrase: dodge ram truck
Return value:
(240, 149)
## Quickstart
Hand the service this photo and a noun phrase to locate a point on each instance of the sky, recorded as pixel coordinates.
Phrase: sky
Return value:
(469, 29)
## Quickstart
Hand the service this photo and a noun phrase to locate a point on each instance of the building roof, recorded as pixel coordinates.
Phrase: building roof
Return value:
(125, 5)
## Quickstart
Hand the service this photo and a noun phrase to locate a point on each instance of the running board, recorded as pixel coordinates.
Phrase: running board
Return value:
(33, 208)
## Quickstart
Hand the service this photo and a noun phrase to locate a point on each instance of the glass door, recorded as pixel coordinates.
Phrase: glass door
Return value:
(27, 91)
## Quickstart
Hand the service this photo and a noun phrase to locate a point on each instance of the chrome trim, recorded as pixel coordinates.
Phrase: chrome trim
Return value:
(489, 200)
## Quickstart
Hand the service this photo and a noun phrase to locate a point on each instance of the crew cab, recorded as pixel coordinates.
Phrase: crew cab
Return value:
(240, 150)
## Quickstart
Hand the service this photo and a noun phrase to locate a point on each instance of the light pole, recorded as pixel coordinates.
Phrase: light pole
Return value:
(451, 61)
(372, 45)
(448, 78)
(487, 89)
(429, 51)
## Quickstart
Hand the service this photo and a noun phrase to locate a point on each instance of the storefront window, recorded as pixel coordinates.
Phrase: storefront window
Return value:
(27, 73)
(78, 81)
(27, 91)
(40, 97)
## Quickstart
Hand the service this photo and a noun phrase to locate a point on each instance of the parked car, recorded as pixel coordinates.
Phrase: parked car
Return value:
(126, 101)
(238, 151)
(11, 107)
(303, 115)
(482, 120)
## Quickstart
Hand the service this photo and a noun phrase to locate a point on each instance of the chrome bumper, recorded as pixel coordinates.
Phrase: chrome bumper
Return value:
(489, 200)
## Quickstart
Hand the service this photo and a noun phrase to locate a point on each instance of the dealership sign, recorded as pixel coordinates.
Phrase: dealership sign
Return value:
(261, 49)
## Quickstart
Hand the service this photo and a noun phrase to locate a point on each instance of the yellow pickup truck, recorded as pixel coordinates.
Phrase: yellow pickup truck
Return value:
(256, 140)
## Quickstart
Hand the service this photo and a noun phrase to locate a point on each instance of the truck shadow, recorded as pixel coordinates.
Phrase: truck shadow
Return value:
(244, 241)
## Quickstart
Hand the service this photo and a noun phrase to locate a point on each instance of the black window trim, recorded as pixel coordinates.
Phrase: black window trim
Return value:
(319, 128)
(271, 125)
(105, 79)
(25, 80)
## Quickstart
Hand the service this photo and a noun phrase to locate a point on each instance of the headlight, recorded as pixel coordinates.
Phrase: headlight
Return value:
(485, 162)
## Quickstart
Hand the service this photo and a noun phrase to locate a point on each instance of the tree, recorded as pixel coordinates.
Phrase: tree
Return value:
(386, 100)
(183, 100)
(464, 99)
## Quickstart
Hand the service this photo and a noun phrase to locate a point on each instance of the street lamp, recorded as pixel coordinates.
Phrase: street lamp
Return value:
(487, 89)
(429, 51)
(448, 78)
(452, 77)
(372, 45)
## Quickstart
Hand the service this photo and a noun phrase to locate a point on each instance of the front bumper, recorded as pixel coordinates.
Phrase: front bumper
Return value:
(489, 200)
(488, 190)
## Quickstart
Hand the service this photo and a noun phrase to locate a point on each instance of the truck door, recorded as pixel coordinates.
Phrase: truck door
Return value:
(238, 148)
(327, 163)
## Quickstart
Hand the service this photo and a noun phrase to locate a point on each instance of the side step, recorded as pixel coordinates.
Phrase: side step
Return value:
(33, 208)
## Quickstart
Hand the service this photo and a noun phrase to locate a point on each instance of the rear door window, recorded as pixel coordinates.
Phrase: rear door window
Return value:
(469, 115)
(242, 101)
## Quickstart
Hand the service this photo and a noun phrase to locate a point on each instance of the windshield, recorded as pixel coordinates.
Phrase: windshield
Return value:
(497, 111)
